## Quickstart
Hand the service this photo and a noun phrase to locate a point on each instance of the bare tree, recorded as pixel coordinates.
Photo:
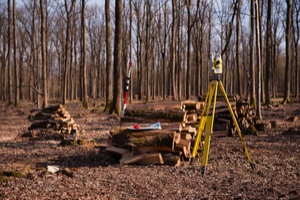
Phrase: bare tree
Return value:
(287, 82)
(296, 36)
(252, 68)
(173, 48)
(268, 52)
(190, 24)
(238, 58)
(9, 81)
(147, 48)
(116, 103)
(44, 55)
(108, 57)
(258, 83)
(16, 74)
(69, 9)
(84, 79)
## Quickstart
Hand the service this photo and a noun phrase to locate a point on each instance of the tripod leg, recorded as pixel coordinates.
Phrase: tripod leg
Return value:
(209, 129)
(237, 126)
(201, 126)
(203, 118)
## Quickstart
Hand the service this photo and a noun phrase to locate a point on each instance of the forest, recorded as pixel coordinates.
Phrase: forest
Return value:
(68, 68)
(75, 50)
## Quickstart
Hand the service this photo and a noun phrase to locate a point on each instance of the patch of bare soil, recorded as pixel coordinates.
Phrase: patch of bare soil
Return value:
(87, 172)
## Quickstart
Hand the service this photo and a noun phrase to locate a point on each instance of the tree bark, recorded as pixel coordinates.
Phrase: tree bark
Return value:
(238, 62)
(116, 104)
(108, 57)
(67, 47)
(252, 68)
(84, 78)
(9, 81)
(173, 48)
(268, 52)
(44, 56)
(258, 83)
(16, 74)
(287, 80)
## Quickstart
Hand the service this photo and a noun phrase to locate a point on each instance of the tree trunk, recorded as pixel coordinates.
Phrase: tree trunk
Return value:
(84, 78)
(188, 67)
(258, 83)
(173, 49)
(238, 62)
(9, 81)
(67, 48)
(44, 56)
(287, 80)
(147, 49)
(268, 52)
(252, 68)
(164, 52)
(16, 74)
(116, 104)
(108, 57)
(296, 28)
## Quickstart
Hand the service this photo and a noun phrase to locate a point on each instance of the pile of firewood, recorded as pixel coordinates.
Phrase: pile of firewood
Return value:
(144, 146)
(171, 146)
(55, 118)
(188, 127)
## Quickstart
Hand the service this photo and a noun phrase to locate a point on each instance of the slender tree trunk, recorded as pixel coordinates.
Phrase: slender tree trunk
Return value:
(296, 30)
(238, 62)
(67, 47)
(258, 84)
(44, 56)
(188, 70)
(16, 74)
(268, 53)
(173, 49)
(287, 81)
(9, 81)
(84, 79)
(252, 68)
(164, 55)
(108, 57)
(116, 104)
(147, 49)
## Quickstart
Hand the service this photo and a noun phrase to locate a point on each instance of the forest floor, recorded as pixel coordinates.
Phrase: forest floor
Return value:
(87, 172)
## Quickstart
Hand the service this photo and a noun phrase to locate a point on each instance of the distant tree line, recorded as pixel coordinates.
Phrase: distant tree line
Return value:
(75, 50)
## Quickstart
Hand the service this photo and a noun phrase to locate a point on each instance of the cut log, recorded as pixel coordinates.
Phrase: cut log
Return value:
(185, 147)
(143, 138)
(187, 129)
(116, 151)
(154, 149)
(171, 160)
(191, 117)
(191, 105)
(142, 159)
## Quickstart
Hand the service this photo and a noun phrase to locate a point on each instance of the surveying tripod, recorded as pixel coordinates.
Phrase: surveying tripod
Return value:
(207, 121)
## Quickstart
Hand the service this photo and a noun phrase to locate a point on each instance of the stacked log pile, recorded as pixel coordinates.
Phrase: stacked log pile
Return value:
(223, 122)
(152, 146)
(144, 146)
(55, 118)
(188, 127)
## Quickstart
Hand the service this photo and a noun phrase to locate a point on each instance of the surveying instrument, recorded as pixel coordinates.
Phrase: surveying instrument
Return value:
(207, 115)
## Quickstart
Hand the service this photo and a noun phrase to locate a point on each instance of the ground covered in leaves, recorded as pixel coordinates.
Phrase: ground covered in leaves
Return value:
(87, 172)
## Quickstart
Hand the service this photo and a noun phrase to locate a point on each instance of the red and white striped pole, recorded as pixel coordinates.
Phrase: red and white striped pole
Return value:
(126, 88)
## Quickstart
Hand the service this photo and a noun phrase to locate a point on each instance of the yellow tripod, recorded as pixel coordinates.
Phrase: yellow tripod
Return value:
(207, 121)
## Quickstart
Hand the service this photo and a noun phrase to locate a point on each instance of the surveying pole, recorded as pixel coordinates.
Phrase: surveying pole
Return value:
(208, 113)
(126, 88)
